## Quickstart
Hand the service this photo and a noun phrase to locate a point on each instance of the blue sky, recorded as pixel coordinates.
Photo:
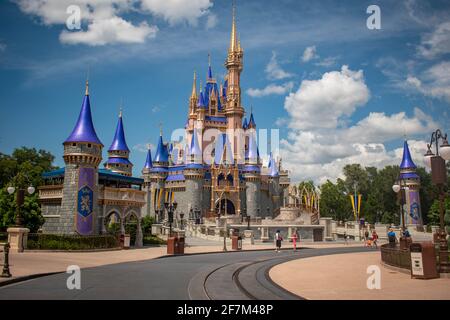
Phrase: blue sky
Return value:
(339, 92)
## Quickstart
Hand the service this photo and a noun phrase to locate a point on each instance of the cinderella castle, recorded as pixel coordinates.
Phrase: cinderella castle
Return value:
(217, 170)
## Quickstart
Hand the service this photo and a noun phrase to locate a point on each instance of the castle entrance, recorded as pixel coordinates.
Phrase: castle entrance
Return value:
(225, 207)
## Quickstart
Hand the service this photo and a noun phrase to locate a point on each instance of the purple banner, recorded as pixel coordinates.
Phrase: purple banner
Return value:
(85, 201)
(414, 207)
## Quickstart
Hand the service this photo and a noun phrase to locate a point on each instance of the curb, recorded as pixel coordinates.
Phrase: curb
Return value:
(29, 277)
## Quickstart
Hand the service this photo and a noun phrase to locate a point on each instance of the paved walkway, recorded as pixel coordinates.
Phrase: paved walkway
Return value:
(344, 277)
(35, 262)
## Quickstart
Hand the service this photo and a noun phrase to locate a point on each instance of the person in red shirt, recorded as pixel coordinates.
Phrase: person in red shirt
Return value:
(375, 238)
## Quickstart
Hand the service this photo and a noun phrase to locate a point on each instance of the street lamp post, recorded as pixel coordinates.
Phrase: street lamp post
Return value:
(20, 199)
(170, 207)
(400, 188)
(439, 177)
(181, 220)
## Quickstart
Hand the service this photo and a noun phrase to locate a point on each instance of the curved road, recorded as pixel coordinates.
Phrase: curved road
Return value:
(218, 276)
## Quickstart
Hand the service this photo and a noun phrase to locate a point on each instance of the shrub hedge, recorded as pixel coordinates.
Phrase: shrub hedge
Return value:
(71, 242)
(151, 239)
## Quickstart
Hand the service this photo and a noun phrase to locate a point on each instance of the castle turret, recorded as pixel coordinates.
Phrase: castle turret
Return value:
(82, 156)
(118, 152)
(158, 174)
(252, 176)
(147, 186)
(410, 178)
(194, 173)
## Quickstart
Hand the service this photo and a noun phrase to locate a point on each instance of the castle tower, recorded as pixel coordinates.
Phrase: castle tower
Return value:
(158, 174)
(409, 177)
(234, 64)
(82, 156)
(274, 185)
(118, 152)
(147, 186)
(252, 176)
(194, 173)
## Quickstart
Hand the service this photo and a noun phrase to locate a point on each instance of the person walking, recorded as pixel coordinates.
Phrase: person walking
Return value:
(278, 239)
(392, 237)
(375, 238)
(345, 237)
(294, 240)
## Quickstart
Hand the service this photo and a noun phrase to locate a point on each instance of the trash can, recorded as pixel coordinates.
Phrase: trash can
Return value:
(126, 241)
(423, 260)
(180, 246)
(172, 245)
(236, 243)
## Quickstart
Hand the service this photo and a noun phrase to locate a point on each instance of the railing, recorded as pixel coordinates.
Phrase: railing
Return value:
(122, 194)
(51, 192)
(393, 256)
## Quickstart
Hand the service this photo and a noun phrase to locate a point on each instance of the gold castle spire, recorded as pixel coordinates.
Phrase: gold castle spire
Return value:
(194, 86)
(233, 41)
(87, 87)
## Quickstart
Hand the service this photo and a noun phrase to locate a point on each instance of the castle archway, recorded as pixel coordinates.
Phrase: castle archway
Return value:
(225, 207)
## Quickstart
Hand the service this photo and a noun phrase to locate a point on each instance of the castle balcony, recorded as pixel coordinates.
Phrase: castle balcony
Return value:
(121, 196)
(50, 193)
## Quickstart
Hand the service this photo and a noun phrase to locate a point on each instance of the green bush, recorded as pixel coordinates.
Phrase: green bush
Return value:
(146, 223)
(150, 239)
(71, 242)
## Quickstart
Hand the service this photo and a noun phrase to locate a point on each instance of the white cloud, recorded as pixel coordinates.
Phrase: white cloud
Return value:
(309, 54)
(327, 62)
(102, 20)
(110, 31)
(322, 103)
(437, 42)
(212, 21)
(437, 81)
(143, 147)
(270, 90)
(176, 11)
(274, 70)
(319, 143)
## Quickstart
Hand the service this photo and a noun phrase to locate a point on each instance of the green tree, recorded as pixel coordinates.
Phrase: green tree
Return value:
(22, 169)
(334, 201)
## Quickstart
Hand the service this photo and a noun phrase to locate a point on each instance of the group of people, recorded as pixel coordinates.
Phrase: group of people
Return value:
(279, 238)
(370, 241)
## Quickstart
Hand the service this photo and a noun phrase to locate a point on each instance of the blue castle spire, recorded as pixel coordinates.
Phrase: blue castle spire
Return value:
(84, 128)
(407, 162)
(148, 162)
(252, 154)
(162, 155)
(273, 170)
(245, 124)
(119, 143)
(251, 122)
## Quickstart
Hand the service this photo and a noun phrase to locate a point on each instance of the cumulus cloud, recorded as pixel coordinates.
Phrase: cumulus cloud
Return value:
(270, 90)
(319, 143)
(143, 147)
(321, 103)
(176, 11)
(309, 54)
(274, 70)
(110, 31)
(212, 21)
(103, 22)
(436, 43)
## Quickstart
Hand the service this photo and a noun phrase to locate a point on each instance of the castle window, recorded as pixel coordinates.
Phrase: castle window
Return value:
(89, 145)
(74, 144)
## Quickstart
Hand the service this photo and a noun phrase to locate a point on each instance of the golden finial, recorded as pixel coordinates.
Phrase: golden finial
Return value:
(209, 59)
(194, 86)
(233, 42)
(160, 129)
(87, 81)
(120, 107)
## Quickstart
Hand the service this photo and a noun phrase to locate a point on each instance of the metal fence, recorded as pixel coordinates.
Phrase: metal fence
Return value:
(393, 256)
